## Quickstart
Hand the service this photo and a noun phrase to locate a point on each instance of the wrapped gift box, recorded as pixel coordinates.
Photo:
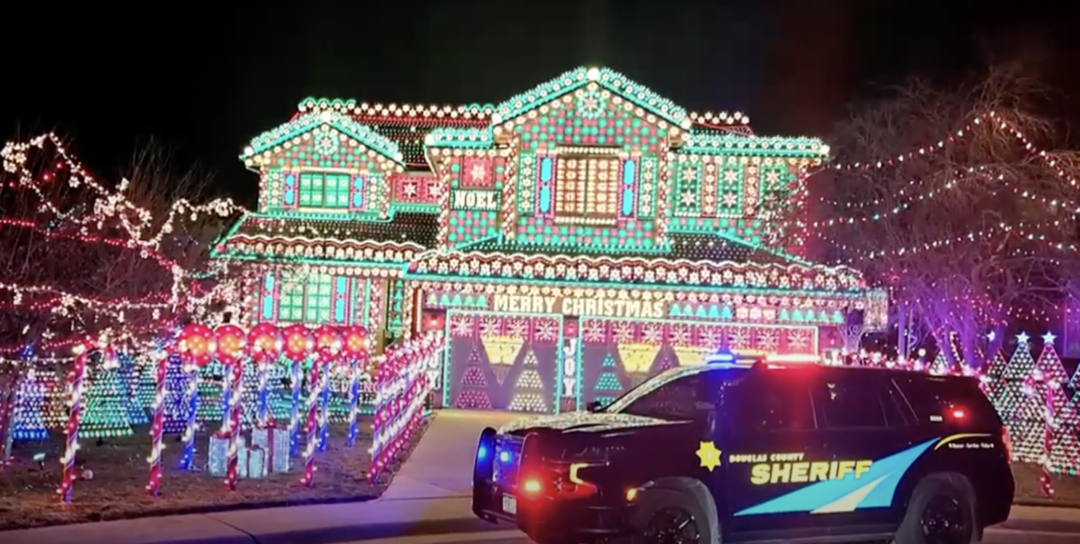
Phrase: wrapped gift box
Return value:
(274, 441)
(253, 463)
(219, 454)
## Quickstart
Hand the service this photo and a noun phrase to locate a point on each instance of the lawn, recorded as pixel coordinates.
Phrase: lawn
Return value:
(1028, 489)
(120, 471)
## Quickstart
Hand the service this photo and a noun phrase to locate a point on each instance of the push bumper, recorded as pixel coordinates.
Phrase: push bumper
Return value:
(543, 518)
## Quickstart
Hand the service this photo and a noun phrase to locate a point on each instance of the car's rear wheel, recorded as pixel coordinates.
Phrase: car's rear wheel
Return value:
(666, 516)
(938, 513)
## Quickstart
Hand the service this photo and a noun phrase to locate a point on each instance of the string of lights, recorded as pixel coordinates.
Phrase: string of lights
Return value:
(1025, 231)
(105, 216)
(982, 173)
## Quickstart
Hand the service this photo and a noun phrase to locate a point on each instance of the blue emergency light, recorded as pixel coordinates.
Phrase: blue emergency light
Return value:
(721, 358)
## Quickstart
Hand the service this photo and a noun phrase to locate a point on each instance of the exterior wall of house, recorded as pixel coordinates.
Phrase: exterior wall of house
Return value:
(570, 257)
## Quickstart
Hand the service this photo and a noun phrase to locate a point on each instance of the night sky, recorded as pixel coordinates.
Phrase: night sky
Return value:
(204, 79)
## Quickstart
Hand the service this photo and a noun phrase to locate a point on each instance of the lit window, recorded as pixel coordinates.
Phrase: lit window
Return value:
(306, 299)
(324, 190)
(587, 187)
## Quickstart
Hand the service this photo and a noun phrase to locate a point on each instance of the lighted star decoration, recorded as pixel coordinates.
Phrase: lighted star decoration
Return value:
(731, 176)
(1023, 338)
(1048, 337)
(409, 188)
(709, 455)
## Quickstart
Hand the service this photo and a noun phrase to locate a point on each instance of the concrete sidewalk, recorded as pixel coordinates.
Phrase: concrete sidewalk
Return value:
(429, 495)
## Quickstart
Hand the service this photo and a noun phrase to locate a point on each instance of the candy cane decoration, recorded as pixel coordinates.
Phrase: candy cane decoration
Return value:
(1047, 485)
(324, 405)
(226, 399)
(354, 398)
(233, 428)
(296, 346)
(294, 417)
(262, 412)
(75, 385)
(312, 425)
(354, 350)
(157, 427)
(263, 346)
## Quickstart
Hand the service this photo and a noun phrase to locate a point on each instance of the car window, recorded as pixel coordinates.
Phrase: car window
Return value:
(847, 403)
(933, 396)
(775, 405)
(687, 397)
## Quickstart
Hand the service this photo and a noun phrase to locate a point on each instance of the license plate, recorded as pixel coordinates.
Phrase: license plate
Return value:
(509, 504)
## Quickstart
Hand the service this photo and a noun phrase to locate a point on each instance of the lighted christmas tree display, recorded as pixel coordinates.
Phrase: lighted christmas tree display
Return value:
(211, 403)
(1021, 364)
(147, 386)
(30, 405)
(106, 406)
(1074, 387)
(473, 388)
(176, 401)
(55, 410)
(249, 395)
(397, 297)
(339, 394)
(281, 391)
(666, 361)
(991, 379)
(1064, 443)
(529, 388)
(1049, 363)
(1042, 423)
(940, 365)
(129, 370)
(1016, 395)
(608, 386)
(1064, 454)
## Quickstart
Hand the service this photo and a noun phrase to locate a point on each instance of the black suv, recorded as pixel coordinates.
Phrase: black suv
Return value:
(760, 452)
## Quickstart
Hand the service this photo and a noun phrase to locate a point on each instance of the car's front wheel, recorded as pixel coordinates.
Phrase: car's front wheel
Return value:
(939, 512)
(667, 516)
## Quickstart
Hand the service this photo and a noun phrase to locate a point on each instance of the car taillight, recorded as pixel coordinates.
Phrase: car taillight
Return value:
(531, 467)
(531, 486)
(956, 413)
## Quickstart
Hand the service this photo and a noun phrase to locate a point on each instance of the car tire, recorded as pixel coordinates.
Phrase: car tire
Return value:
(938, 505)
(660, 507)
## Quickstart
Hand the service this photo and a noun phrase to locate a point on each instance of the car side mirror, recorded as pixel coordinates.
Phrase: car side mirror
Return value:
(594, 406)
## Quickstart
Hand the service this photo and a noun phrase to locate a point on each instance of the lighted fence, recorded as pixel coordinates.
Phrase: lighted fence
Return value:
(404, 383)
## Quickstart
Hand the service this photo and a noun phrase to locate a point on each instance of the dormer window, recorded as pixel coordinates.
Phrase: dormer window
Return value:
(324, 190)
(587, 189)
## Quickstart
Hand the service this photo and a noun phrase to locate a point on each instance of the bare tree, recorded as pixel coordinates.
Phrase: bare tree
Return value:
(946, 198)
(129, 260)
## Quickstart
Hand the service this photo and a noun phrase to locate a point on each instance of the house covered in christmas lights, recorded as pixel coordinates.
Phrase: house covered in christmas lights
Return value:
(571, 241)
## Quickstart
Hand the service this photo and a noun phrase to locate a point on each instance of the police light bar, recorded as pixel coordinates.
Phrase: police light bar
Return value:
(793, 358)
(722, 358)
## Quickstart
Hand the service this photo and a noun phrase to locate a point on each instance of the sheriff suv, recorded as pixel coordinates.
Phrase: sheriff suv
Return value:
(773, 450)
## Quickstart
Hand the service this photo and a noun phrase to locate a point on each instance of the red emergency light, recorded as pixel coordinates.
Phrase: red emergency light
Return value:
(786, 359)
